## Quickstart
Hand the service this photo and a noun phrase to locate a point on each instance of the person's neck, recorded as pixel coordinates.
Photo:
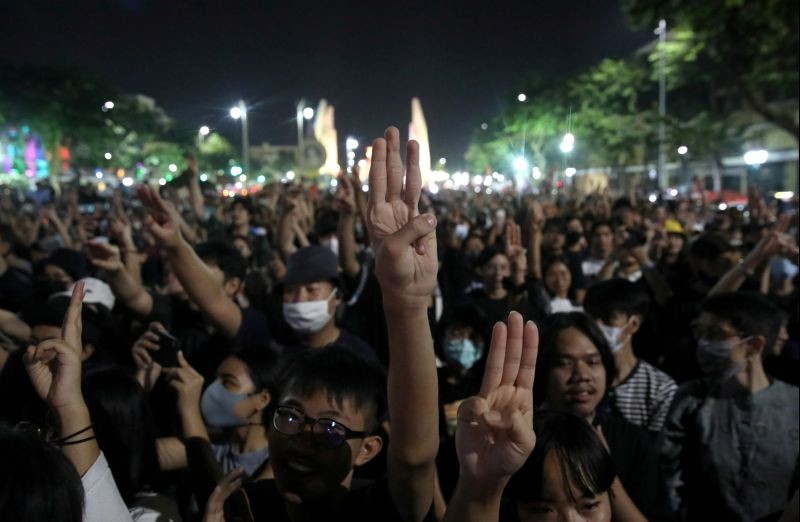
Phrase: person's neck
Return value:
(241, 230)
(321, 508)
(327, 335)
(600, 255)
(497, 293)
(561, 294)
(625, 362)
(255, 439)
(753, 378)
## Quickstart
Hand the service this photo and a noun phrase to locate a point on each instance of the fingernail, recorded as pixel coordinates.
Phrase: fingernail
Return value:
(430, 219)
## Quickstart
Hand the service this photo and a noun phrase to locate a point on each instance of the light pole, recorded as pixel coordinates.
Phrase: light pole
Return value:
(661, 31)
(239, 112)
(301, 105)
(202, 132)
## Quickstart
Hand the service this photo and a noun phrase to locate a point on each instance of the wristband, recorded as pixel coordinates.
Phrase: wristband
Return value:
(63, 441)
(71, 442)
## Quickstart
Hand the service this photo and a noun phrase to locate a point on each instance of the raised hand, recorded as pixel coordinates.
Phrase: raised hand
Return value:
(187, 382)
(404, 241)
(227, 486)
(54, 366)
(147, 370)
(346, 196)
(495, 434)
(513, 244)
(104, 256)
(163, 220)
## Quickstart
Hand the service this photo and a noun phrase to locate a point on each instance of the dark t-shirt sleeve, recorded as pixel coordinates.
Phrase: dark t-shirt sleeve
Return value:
(253, 331)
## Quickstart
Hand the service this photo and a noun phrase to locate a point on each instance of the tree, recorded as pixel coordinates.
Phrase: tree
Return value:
(746, 50)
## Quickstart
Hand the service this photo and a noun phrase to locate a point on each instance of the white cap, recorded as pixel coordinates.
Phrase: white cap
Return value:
(96, 292)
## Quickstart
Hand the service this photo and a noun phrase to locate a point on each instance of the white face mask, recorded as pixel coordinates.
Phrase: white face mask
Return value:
(613, 336)
(715, 358)
(309, 316)
(332, 244)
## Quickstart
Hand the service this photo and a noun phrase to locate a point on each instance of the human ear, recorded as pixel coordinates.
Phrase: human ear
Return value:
(755, 346)
(262, 399)
(370, 447)
(232, 285)
(634, 323)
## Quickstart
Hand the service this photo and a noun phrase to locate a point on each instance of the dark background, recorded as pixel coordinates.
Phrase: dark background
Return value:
(464, 60)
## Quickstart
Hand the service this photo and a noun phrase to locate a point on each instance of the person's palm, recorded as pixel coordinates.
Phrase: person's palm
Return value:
(495, 428)
(406, 262)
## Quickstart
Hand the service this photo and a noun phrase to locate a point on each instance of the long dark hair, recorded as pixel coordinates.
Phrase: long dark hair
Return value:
(37, 482)
(582, 458)
(124, 428)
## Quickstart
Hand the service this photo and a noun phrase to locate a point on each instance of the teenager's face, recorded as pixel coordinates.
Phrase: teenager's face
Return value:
(554, 503)
(239, 215)
(558, 278)
(675, 244)
(577, 381)
(494, 271)
(306, 471)
(603, 240)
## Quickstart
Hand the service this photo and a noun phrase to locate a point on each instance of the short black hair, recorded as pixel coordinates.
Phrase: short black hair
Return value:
(599, 224)
(225, 256)
(341, 373)
(616, 295)
(582, 458)
(710, 246)
(548, 353)
(488, 253)
(39, 484)
(244, 202)
(749, 312)
(555, 224)
(262, 367)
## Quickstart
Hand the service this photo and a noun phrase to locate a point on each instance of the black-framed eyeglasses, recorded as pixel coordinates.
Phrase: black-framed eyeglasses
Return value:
(326, 432)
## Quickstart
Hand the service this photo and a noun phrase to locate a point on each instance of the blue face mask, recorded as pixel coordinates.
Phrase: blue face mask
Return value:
(463, 351)
(217, 406)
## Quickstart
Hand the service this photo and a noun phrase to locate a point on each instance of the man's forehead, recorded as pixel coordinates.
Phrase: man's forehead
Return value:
(321, 402)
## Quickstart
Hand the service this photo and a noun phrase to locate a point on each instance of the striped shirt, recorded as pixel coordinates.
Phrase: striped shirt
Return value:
(644, 397)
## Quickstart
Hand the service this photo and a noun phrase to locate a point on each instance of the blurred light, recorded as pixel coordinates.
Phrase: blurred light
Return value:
(225, 192)
(101, 187)
(784, 195)
(756, 157)
(162, 182)
(433, 188)
(173, 168)
(365, 187)
(120, 173)
(520, 163)
(308, 113)
(290, 175)
(442, 161)
(238, 185)
(127, 182)
(484, 126)
(204, 130)
(108, 105)
(351, 143)
(334, 182)
(98, 174)
(477, 180)
(351, 154)
(567, 143)
(570, 171)
(236, 170)
(261, 179)
(236, 113)
(683, 149)
(477, 190)
(362, 163)
(243, 178)
(107, 155)
(536, 173)
(673, 192)
(723, 206)
(487, 181)
(203, 177)
(652, 174)
(168, 177)
(652, 198)
(521, 97)
(488, 191)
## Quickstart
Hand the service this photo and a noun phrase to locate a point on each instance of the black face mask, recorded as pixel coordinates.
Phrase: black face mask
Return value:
(321, 470)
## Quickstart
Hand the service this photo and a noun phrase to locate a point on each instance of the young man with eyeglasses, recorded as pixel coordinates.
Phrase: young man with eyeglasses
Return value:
(730, 442)
(329, 406)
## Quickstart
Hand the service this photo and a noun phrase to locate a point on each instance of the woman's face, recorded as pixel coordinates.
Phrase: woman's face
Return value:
(494, 271)
(577, 380)
(236, 379)
(558, 279)
(560, 500)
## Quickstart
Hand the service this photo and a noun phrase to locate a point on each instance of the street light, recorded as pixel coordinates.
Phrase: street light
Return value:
(107, 106)
(520, 163)
(683, 149)
(521, 97)
(567, 143)
(308, 113)
(756, 157)
(443, 161)
(204, 130)
(239, 112)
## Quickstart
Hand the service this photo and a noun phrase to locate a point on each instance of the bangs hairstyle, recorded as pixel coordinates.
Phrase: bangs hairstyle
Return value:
(548, 348)
(583, 461)
(343, 375)
(225, 256)
(749, 312)
(613, 296)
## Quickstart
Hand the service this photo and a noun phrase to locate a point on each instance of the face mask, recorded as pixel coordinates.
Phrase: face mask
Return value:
(714, 357)
(613, 336)
(464, 351)
(309, 316)
(462, 229)
(217, 406)
(332, 244)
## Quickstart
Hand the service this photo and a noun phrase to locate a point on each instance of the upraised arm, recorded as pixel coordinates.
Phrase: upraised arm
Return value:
(494, 436)
(194, 275)
(406, 267)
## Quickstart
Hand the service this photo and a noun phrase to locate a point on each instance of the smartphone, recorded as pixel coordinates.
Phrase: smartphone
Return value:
(167, 353)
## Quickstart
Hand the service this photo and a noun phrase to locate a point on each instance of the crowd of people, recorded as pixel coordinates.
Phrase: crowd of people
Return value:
(393, 354)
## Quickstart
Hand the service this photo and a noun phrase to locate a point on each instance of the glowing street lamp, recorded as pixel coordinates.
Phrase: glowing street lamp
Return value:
(756, 157)
(308, 113)
(204, 130)
(239, 112)
(522, 97)
(567, 143)
(683, 149)
(520, 163)
(107, 106)
(236, 113)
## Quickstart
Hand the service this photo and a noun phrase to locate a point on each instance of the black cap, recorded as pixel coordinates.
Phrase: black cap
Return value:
(311, 264)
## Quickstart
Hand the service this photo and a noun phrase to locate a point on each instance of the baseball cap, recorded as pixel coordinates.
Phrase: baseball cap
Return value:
(310, 264)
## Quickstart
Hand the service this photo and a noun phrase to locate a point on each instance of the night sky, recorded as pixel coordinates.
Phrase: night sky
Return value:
(462, 59)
